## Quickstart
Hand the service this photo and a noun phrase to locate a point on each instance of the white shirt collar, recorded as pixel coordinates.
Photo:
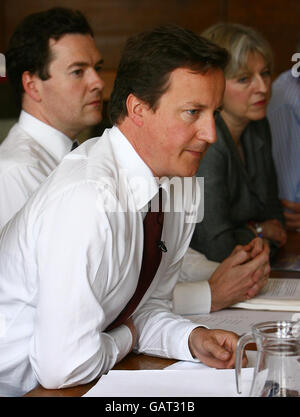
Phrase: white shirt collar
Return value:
(144, 185)
(54, 141)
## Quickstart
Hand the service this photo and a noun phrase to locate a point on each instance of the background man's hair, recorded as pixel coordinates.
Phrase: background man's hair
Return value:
(149, 58)
(28, 48)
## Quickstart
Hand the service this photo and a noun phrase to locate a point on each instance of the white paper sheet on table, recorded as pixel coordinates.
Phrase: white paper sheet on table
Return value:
(190, 379)
(171, 383)
(188, 365)
(239, 321)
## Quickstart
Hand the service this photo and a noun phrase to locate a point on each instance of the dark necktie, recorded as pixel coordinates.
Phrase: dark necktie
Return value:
(74, 145)
(152, 253)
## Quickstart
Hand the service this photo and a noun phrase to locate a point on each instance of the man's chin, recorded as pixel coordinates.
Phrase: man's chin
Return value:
(188, 172)
(191, 170)
(94, 119)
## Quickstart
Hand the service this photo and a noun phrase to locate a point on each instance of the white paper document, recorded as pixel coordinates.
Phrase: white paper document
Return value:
(188, 365)
(279, 294)
(171, 383)
(238, 321)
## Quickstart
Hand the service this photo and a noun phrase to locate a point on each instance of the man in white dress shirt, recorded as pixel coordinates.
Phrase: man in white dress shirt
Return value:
(53, 65)
(71, 257)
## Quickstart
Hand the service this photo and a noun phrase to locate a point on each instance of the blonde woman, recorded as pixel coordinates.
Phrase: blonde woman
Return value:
(241, 196)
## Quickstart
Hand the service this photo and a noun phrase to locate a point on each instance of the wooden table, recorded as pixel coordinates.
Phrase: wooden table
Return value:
(135, 362)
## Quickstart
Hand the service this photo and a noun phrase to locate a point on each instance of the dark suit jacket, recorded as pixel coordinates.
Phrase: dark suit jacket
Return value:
(235, 193)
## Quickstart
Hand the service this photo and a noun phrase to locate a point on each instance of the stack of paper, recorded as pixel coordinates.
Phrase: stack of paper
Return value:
(279, 294)
(239, 321)
(171, 383)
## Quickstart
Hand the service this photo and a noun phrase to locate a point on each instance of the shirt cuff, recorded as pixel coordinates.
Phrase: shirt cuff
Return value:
(182, 350)
(196, 267)
(123, 340)
(192, 298)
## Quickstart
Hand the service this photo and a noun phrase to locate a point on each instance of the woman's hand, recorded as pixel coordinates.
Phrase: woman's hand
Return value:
(273, 230)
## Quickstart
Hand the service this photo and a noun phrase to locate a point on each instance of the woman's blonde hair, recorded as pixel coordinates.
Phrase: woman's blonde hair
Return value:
(239, 41)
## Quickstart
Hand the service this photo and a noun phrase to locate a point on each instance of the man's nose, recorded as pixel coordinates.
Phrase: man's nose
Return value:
(96, 81)
(207, 129)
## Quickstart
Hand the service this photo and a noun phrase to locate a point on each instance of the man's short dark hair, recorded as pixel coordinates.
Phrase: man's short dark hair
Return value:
(28, 48)
(149, 58)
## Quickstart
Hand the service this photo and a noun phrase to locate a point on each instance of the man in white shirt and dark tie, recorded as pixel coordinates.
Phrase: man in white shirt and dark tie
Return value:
(72, 258)
(54, 66)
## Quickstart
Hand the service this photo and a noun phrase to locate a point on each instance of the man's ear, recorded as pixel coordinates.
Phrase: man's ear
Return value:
(31, 85)
(136, 109)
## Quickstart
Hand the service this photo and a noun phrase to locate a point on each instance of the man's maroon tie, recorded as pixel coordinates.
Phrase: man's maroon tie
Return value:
(152, 253)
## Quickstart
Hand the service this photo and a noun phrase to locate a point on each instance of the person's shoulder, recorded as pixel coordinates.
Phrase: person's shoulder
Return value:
(260, 128)
(19, 152)
(85, 171)
(92, 161)
(223, 134)
(8, 143)
(285, 92)
(283, 79)
(224, 142)
(218, 153)
(15, 150)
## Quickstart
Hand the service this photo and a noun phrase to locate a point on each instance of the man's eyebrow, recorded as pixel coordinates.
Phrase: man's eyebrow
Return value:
(100, 62)
(83, 64)
(195, 104)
